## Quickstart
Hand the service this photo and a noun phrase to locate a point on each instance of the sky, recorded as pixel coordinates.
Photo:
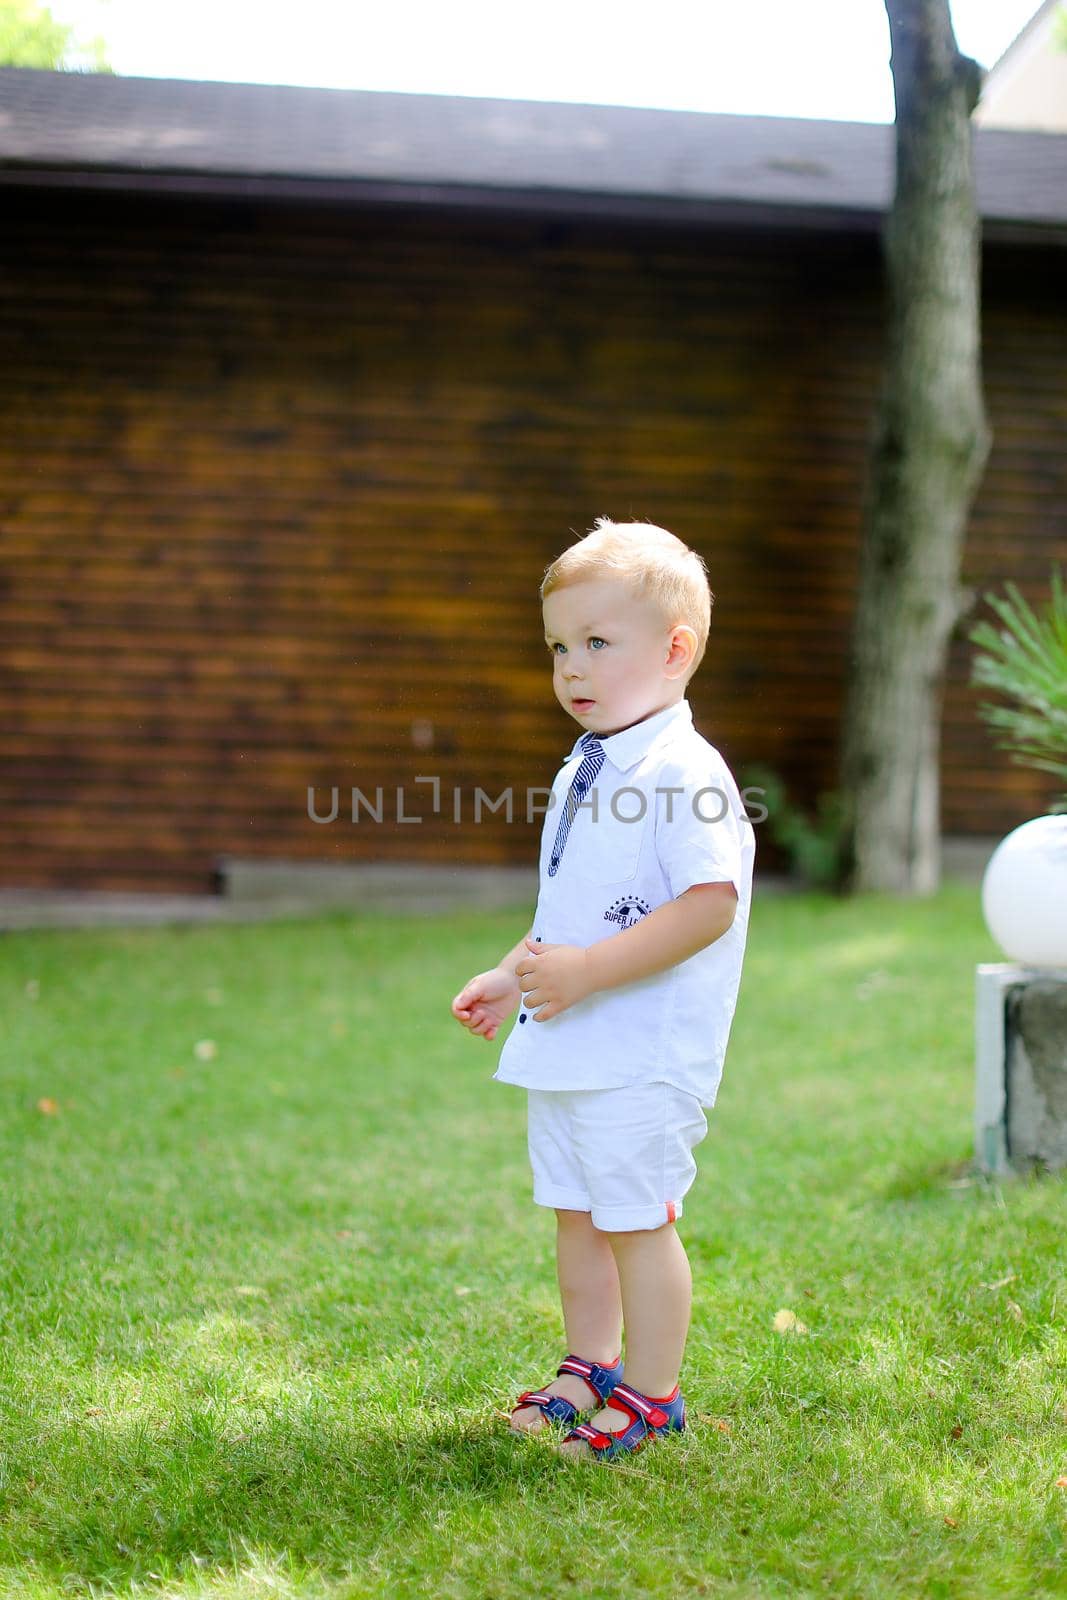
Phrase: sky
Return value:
(817, 58)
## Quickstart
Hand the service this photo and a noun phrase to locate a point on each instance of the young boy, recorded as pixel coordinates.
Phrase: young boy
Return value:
(628, 978)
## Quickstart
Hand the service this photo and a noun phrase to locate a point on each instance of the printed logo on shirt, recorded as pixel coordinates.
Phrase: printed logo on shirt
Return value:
(627, 911)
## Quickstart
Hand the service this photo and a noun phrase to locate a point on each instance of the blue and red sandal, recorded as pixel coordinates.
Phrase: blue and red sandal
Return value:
(648, 1415)
(601, 1381)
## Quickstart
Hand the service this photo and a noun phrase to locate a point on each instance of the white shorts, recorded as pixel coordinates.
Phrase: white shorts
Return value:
(624, 1155)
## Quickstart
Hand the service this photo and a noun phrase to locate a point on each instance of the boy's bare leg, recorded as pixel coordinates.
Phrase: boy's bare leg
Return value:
(657, 1296)
(592, 1308)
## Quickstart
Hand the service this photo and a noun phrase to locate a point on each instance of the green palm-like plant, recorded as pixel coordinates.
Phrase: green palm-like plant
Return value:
(1026, 661)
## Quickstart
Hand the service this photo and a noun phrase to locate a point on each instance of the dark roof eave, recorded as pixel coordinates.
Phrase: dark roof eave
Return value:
(666, 210)
(500, 200)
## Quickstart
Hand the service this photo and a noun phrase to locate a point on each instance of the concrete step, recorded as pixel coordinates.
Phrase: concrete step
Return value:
(254, 891)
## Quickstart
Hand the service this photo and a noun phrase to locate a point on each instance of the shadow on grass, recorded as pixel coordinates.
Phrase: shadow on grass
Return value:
(110, 1506)
(937, 1179)
(827, 1466)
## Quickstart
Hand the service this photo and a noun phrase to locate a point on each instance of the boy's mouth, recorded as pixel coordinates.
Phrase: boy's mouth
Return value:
(582, 705)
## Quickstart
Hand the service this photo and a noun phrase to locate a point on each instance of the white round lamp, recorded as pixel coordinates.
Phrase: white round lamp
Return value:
(1024, 894)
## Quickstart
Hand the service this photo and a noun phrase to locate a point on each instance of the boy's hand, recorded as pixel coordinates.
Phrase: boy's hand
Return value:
(552, 977)
(487, 1001)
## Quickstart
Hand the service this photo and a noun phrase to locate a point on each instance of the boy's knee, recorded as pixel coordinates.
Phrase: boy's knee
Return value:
(573, 1219)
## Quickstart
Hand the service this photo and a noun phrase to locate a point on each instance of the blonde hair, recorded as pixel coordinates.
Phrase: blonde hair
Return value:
(654, 565)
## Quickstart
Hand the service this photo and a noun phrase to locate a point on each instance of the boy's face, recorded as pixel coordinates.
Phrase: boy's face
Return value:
(614, 660)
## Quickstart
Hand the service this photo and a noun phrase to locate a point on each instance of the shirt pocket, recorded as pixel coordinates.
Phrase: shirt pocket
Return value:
(607, 846)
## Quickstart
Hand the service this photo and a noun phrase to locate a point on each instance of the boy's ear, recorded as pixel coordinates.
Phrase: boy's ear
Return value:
(681, 648)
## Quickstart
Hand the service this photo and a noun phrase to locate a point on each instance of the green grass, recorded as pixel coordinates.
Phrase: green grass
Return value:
(260, 1311)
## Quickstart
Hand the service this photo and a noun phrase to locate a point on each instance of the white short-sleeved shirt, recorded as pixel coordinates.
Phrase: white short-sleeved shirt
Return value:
(688, 826)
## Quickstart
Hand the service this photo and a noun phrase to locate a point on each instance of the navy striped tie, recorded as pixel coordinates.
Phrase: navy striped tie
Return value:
(581, 783)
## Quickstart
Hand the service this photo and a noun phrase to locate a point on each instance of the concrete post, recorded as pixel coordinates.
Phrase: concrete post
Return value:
(1020, 1068)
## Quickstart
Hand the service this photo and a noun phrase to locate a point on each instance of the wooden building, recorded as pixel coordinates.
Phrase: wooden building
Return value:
(301, 390)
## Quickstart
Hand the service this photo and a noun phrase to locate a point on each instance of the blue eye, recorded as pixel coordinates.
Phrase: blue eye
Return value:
(557, 649)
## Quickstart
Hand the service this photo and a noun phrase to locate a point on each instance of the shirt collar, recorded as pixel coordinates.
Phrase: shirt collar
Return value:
(625, 749)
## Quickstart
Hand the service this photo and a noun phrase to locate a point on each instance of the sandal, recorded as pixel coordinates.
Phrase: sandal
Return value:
(648, 1415)
(601, 1380)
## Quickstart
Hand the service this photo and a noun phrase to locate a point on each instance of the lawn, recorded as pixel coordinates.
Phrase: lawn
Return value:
(271, 1272)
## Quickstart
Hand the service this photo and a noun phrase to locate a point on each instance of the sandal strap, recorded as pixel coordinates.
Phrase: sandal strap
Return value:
(625, 1442)
(601, 1380)
(639, 1407)
(553, 1405)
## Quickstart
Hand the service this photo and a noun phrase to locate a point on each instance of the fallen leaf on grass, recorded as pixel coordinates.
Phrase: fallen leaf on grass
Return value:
(957, 1432)
(1061, 1482)
(872, 983)
(1016, 1311)
(205, 1049)
(48, 1108)
(950, 1522)
(788, 1322)
(1000, 1282)
(462, 1289)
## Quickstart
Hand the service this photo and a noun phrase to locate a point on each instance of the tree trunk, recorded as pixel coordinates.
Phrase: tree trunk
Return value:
(928, 452)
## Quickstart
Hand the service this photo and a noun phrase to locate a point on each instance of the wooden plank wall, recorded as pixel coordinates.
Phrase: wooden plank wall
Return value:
(277, 487)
